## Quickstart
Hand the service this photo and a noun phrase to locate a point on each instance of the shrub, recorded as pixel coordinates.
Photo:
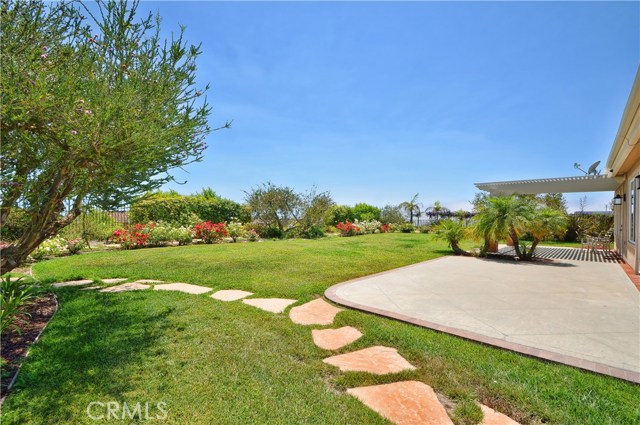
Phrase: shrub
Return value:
(136, 238)
(385, 228)
(49, 248)
(348, 229)
(210, 232)
(235, 230)
(187, 210)
(407, 228)
(339, 214)
(13, 296)
(313, 232)
(424, 229)
(252, 236)
(163, 232)
(75, 245)
(369, 226)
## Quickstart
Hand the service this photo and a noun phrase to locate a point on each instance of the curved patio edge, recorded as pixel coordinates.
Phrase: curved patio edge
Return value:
(600, 368)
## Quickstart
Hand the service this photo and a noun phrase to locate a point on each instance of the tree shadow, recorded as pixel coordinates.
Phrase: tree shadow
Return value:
(85, 350)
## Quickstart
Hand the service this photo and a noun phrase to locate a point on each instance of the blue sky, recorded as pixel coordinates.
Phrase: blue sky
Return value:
(377, 101)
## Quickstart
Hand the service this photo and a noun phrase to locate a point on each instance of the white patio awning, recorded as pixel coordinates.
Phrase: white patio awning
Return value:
(601, 183)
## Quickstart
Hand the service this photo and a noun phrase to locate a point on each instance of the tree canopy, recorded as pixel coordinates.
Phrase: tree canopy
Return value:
(96, 109)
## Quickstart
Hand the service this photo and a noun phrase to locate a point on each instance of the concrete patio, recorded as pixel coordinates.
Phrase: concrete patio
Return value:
(584, 314)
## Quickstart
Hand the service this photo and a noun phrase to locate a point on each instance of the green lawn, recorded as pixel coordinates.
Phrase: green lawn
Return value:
(215, 362)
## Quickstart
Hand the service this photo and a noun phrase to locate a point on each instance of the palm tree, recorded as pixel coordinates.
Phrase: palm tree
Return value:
(412, 207)
(545, 222)
(437, 210)
(452, 231)
(501, 217)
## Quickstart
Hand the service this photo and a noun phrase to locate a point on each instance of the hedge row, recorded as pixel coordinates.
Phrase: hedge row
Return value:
(187, 210)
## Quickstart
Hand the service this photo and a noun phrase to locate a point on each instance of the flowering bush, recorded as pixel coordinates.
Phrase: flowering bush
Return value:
(161, 232)
(210, 232)
(407, 228)
(348, 229)
(49, 247)
(369, 226)
(235, 230)
(139, 236)
(385, 228)
(252, 235)
(75, 245)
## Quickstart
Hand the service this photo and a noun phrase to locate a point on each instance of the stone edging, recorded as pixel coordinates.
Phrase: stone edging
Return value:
(331, 293)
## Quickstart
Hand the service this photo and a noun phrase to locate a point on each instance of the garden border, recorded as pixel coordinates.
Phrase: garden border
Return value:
(35, 341)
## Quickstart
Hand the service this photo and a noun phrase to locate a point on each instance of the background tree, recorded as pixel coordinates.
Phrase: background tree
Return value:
(411, 207)
(366, 212)
(282, 208)
(95, 110)
(392, 214)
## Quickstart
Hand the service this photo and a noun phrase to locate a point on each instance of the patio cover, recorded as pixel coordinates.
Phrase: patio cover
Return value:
(600, 183)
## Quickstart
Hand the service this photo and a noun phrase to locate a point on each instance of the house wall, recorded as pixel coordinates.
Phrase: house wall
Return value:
(624, 165)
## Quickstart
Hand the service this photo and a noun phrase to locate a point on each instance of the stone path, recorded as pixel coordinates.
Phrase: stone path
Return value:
(72, 283)
(378, 360)
(402, 403)
(114, 280)
(132, 286)
(273, 305)
(334, 339)
(182, 287)
(316, 312)
(230, 295)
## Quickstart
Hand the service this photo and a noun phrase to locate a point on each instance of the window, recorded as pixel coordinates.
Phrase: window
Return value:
(632, 211)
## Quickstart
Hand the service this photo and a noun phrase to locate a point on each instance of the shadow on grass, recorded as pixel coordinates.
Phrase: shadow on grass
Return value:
(85, 353)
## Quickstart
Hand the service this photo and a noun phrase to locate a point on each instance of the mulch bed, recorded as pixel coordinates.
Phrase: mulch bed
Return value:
(15, 345)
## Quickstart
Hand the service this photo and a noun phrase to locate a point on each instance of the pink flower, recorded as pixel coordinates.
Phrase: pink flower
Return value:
(44, 56)
(74, 132)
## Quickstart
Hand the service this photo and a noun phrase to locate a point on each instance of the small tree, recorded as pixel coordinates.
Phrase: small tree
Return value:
(452, 231)
(90, 115)
(285, 209)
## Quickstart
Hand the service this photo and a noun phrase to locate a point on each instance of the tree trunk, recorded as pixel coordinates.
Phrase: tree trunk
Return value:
(457, 250)
(41, 228)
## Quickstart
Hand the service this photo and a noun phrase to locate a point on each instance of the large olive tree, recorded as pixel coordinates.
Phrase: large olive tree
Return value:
(96, 108)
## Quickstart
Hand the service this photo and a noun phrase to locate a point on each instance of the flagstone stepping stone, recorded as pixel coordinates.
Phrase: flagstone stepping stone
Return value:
(90, 288)
(378, 360)
(333, 339)
(230, 295)
(131, 286)
(115, 280)
(492, 417)
(404, 403)
(72, 283)
(316, 312)
(149, 281)
(274, 305)
(183, 287)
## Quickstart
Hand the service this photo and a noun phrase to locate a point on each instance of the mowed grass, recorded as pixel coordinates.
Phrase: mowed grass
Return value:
(229, 363)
